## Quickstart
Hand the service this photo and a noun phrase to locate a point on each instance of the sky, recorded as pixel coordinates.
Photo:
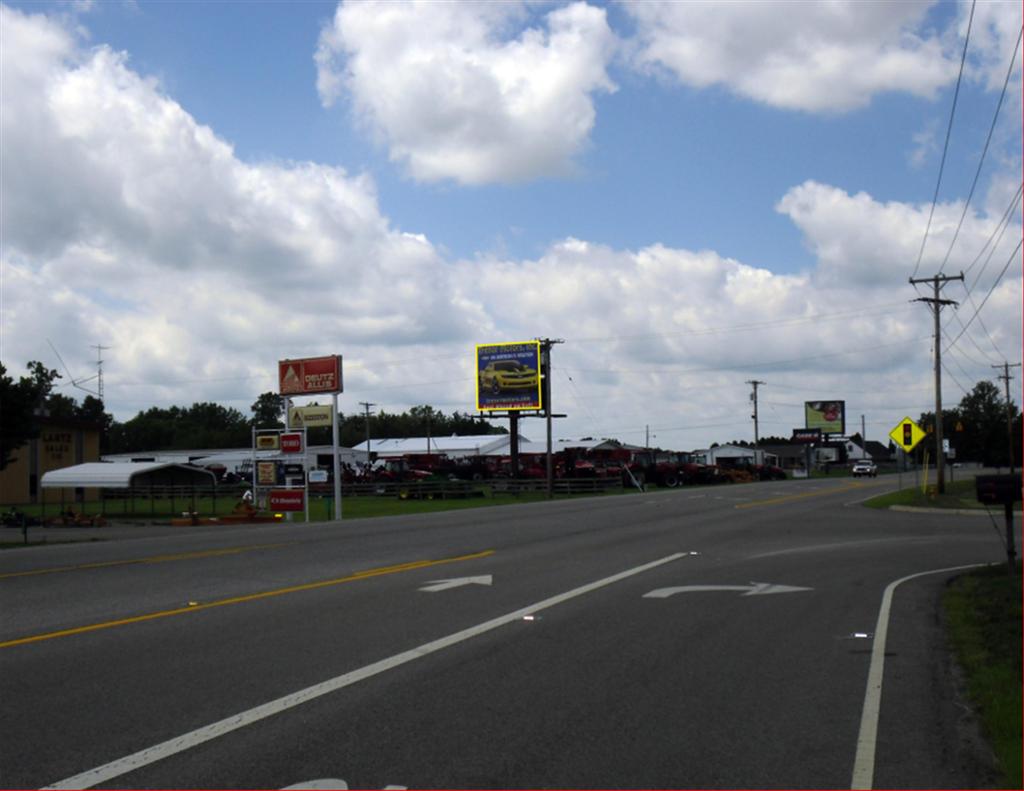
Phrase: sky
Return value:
(692, 196)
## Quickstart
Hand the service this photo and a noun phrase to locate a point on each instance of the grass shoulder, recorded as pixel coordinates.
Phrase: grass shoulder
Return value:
(983, 615)
(959, 495)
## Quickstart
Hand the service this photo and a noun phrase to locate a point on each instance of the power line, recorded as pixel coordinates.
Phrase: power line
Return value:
(999, 230)
(945, 147)
(984, 152)
(977, 310)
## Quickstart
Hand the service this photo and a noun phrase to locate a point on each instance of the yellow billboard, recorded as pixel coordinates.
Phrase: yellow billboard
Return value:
(508, 376)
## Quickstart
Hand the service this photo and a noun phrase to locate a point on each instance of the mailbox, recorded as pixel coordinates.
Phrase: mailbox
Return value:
(998, 489)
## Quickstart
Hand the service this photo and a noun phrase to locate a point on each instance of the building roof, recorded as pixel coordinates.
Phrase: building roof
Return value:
(474, 444)
(124, 475)
(567, 444)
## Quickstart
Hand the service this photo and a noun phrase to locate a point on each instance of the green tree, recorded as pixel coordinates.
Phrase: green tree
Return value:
(976, 428)
(267, 411)
(21, 405)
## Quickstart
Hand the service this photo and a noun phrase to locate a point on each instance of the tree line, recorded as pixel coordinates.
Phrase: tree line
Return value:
(25, 403)
(976, 427)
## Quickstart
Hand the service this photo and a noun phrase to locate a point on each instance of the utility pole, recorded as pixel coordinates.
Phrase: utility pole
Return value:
(1009, 408)
(937, 282)
(753, 397)
(545, 365)
(366, 407)
(99, 368)
(863, 438)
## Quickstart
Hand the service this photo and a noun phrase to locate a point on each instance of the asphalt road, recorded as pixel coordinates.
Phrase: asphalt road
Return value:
(702, 638)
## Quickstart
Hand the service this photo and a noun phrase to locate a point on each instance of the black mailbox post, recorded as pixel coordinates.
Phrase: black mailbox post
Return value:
(1004, 490)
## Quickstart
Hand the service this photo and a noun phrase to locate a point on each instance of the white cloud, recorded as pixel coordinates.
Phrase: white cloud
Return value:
(830, 57)
(863, 243)
(129, 224)
(456, 91)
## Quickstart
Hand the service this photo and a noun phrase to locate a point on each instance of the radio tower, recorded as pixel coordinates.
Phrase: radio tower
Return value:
(99, 368)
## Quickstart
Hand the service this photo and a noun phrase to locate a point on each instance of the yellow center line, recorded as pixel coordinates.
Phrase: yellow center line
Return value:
(789, 498)
(210, 553)
(359, 575)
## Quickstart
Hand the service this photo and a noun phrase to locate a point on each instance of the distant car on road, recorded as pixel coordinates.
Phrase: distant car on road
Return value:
(864, 467)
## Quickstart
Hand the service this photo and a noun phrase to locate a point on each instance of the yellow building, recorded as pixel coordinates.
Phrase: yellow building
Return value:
(61, 443)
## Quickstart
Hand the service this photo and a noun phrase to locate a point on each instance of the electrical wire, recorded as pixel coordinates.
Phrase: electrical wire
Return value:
(977, 311)
(984, 152)
(999, 230)
(945, 147)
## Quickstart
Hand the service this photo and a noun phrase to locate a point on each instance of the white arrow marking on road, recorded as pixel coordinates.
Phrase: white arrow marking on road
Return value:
(753, 589)
(443, 585)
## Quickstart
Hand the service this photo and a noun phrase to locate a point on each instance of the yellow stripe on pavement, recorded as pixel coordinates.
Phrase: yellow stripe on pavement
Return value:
(789, 498)
(359, 575)
(210, 553)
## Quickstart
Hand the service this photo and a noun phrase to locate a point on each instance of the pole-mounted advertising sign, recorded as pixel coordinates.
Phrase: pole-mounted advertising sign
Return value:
(829, 416)
(291, 442)
(508, 376)
(287, 499)
(309, 375)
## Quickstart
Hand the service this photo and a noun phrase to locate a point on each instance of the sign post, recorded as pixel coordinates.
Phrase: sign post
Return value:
(311, 375)
(906, 435)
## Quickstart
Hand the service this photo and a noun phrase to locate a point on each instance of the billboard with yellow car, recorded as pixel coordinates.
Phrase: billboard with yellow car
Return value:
(508, 376)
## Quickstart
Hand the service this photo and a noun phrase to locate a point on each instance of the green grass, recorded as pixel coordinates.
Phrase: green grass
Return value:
(368, 507)
(320, 508)
(958, 494)
(983, 612)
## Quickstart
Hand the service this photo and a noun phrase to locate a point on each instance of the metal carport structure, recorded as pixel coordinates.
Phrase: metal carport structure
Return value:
(150, 479)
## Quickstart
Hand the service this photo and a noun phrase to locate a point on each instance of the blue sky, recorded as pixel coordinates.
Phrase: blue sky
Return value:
(706, 188)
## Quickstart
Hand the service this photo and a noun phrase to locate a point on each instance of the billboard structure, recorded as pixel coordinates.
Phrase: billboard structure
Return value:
(829, 416)
(309, 375)
(508, 376)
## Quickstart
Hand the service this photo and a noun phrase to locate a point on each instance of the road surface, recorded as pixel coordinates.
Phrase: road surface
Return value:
(700, 638)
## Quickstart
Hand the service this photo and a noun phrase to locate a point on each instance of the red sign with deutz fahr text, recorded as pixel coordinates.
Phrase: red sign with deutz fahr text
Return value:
(310, 375)
(287, 500)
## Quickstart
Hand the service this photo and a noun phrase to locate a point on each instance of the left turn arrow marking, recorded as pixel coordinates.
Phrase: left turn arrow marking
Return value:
(753, 589)
(443, 585)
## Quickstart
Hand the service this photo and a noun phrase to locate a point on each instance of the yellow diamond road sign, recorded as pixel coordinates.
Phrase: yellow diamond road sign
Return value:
(907, 434)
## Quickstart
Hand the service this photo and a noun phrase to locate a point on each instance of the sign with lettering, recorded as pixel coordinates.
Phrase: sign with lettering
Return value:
(287, 500)
(291, 443)
(310, 375)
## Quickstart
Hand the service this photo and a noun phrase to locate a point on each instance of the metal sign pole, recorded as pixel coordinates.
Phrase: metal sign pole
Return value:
(334, 454)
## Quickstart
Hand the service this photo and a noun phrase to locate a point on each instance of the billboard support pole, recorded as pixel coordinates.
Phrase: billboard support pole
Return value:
(545, 348)
(334, 455)
(513, 445)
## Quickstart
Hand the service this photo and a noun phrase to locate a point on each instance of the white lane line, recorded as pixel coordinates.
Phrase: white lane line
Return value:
(864, 762)
(122, 766)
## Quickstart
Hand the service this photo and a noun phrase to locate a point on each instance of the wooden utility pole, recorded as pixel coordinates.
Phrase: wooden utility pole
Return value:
(366, 407)
(1009, 409)
(753, 397)
(937, 282)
